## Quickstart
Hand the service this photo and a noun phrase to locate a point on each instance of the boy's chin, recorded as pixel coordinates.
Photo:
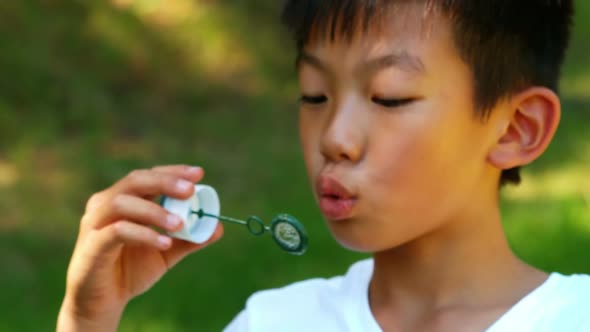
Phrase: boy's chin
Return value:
(358, 239)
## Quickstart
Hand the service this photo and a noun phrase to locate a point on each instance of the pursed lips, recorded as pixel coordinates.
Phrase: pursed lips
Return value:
(335, 199)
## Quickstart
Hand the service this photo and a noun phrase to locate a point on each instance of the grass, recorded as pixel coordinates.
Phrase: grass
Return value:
(91, 90)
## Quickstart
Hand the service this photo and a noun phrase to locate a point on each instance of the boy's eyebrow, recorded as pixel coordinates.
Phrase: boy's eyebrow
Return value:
(402, 60)
(311, 60)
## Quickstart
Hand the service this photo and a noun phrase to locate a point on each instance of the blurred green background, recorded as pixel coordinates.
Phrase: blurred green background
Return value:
(90, 90)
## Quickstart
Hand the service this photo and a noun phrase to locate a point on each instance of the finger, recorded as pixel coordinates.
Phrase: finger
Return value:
(127, 207)
(148, 183)
(130, 233)
(190, 173)
(181, 249)
(96, 200)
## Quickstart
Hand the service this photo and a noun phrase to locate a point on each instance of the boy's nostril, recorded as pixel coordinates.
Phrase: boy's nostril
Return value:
(344, 156)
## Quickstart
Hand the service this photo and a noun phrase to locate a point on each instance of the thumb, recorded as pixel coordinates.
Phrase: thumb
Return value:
(181, 248)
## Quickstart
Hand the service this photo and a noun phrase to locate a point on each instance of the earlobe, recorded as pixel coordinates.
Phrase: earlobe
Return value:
(528, 130)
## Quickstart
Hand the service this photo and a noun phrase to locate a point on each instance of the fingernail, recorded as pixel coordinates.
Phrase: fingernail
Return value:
(164, 241)
(194, 169)
(183, 185)
(172, 221)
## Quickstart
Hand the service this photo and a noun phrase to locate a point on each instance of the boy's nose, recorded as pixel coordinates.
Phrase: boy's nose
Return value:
(343, 138)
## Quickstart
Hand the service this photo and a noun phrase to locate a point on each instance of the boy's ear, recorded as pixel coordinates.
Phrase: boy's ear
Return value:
(529, 127)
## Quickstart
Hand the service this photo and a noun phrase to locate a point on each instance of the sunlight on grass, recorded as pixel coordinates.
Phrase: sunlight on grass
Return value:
(567, 187)
(210, 48)
(9, 175)
(196, 33)
(576, 86)
(163, 12)
(121, 37)
(550, 209)
(145, 7)
(558, 184)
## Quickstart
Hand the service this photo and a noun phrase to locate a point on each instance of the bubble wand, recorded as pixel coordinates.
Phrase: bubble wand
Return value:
(200, 214)
(287, 231)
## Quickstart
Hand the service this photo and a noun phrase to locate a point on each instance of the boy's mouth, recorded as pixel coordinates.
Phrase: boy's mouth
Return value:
(335, 200)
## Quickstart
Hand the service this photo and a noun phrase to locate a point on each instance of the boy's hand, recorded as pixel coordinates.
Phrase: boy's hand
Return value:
(118, 255)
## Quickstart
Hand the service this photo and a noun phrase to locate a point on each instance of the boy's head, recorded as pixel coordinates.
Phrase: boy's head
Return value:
(508, 45)
(389, 92)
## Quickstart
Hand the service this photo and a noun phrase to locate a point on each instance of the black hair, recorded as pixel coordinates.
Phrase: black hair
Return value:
(508, 44)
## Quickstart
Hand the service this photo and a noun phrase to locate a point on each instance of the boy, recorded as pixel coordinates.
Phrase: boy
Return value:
(413, 113)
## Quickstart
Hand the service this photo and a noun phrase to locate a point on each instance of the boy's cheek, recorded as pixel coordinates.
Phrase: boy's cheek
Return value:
(309, 138)
(410, 172)
(313, 161)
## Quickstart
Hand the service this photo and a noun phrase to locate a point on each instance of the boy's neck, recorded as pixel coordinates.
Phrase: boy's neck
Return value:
(467, 264)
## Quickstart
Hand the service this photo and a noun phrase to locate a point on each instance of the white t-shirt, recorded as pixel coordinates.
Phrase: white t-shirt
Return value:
(560, 304)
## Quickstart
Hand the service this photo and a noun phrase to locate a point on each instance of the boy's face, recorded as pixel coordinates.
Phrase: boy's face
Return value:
(389, 135)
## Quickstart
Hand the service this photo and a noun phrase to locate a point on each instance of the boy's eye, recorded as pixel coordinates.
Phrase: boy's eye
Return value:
(313, 99)
(392, 103)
